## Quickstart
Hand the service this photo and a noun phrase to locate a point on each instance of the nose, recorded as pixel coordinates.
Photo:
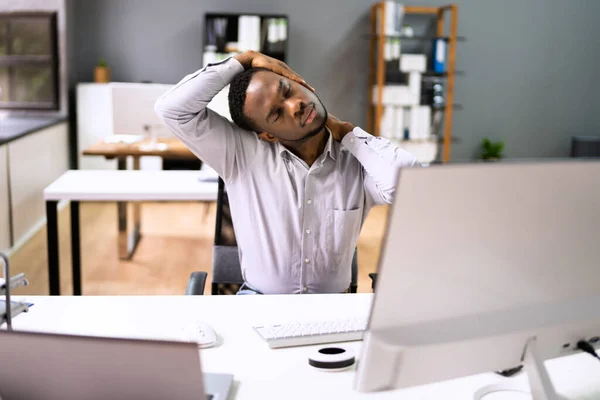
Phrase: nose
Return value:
(295, 106)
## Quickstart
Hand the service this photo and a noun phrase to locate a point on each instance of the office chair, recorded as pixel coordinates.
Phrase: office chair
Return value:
(585, 146)
(373, 276)
(226, 270)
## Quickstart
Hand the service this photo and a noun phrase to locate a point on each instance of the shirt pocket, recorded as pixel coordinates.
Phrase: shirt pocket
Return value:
(343, 230)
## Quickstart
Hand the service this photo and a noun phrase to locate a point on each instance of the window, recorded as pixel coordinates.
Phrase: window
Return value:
(28, 61)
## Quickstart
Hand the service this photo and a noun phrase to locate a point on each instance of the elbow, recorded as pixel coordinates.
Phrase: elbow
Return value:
(167, 114)
(387, 196)
(160, 108)
(389, 200)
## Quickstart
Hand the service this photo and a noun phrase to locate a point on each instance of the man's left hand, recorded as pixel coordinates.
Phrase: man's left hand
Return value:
(338, 128)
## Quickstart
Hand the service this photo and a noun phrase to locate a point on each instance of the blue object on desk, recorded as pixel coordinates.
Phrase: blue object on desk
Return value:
(439, 56)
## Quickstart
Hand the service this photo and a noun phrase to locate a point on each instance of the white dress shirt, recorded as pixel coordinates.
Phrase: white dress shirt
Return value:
(296, 226)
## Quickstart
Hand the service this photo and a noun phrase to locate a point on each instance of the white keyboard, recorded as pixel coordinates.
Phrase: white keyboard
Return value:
(305, 333)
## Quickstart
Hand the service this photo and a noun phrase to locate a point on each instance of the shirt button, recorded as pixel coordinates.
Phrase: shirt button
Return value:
(305, 289)
(352, 140)
(308, 231)
(306, 260)
(309, 201)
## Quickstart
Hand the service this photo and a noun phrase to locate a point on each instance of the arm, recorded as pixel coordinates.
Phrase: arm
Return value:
(227, 148)
(224, 146)
(380, 159)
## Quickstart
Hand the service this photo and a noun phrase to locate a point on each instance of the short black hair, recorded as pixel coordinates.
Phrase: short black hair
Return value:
(237, 98)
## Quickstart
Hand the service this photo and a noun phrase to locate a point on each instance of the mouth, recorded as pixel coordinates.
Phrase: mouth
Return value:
(309, 115)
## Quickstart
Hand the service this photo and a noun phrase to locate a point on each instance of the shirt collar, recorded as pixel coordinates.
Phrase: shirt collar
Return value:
(329, 149)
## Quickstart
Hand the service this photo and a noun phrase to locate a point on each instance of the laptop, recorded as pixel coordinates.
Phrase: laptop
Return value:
(69, 367)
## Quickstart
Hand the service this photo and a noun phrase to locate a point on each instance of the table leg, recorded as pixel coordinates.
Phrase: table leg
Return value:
(52, 243)
(126, 242)
(122, 217)
(137, 213)
(75, 248)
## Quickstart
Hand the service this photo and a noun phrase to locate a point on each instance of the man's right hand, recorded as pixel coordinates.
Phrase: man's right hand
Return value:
(253, 59)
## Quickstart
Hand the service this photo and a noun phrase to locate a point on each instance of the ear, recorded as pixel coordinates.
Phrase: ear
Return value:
(267, 137)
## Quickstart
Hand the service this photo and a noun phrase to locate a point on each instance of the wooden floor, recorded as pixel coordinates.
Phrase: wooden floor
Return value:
(177, 239)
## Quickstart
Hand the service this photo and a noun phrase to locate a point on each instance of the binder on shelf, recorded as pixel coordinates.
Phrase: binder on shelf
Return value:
(388, 122)
(405, 124)
(282, 23)
(393, 125)
(400, 125)
(275, 30)
(249, 32)
(273, 35)
(394, 15)
(420, 123)
(439, 56)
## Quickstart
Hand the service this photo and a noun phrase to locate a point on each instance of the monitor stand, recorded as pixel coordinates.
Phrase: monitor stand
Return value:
(540, 386)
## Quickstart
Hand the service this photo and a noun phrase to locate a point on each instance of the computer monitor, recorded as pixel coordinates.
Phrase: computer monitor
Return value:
(67, 367)
(485, 267)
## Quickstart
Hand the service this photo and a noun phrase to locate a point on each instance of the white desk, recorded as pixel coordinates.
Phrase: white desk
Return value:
(262, 373)
(98, 185)
(117, 186)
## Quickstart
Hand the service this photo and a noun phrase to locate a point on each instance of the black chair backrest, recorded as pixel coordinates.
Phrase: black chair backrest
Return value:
(224, 234)
(227, 276)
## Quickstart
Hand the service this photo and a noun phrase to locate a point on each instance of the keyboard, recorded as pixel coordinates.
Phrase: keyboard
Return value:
(317, 332)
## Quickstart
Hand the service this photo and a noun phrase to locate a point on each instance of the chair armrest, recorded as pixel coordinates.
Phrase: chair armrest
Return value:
(373, 277)
(195, 286)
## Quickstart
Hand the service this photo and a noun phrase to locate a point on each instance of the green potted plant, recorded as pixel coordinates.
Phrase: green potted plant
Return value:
(102, 72)
(491, 151)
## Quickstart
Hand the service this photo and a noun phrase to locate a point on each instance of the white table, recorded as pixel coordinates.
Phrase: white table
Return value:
(262, 373)
(114, 186)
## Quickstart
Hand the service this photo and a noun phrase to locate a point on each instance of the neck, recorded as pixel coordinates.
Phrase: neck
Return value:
(310, 149)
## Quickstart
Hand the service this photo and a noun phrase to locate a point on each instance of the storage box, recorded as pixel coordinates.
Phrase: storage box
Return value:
(396, 95)
(413, 63)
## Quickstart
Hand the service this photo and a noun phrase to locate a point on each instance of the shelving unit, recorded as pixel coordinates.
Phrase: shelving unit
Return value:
(231, 23)
(377, 64)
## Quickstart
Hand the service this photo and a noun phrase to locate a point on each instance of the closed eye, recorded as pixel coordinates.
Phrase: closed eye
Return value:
(275, 114)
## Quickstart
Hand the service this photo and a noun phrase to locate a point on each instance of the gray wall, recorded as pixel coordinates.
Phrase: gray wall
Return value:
(530, 65)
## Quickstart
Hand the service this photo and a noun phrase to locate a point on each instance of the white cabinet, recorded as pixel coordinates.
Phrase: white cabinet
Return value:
(121, 108)
(106, 109)
(4, 204)
(94, 123)
(34, 161)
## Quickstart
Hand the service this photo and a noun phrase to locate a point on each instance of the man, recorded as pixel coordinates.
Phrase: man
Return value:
(300, 182)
